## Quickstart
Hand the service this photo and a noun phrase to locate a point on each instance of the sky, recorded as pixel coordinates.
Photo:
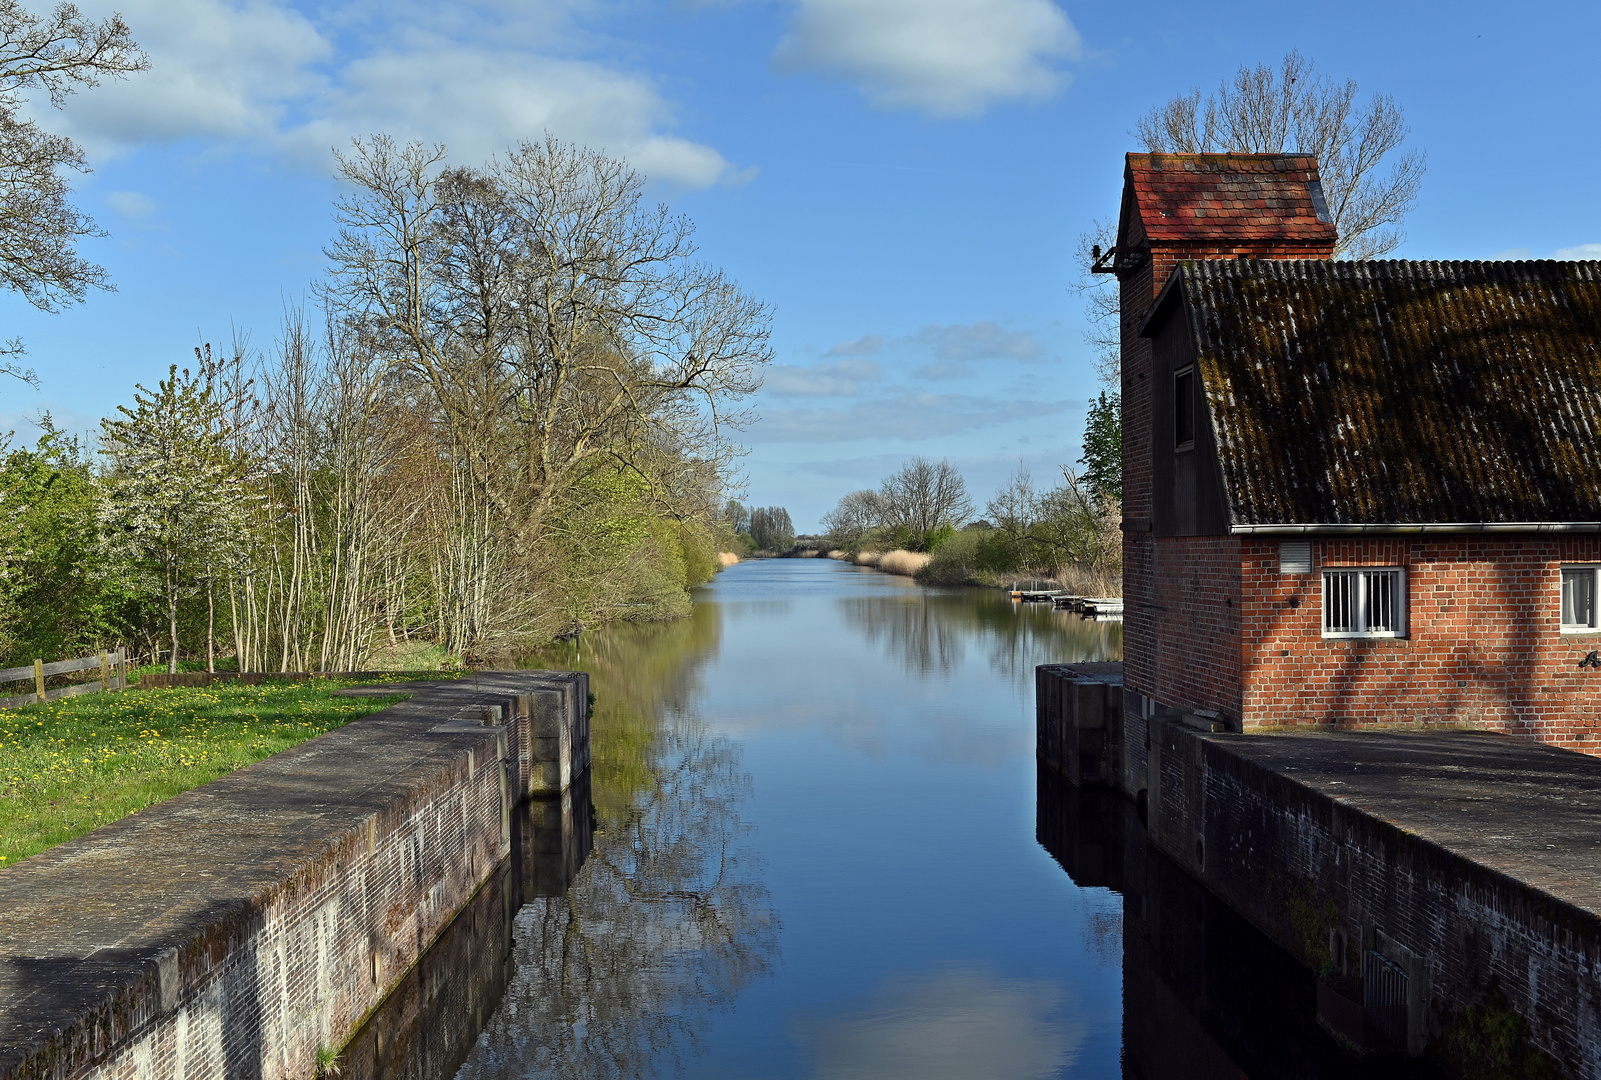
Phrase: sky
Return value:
(903, 181)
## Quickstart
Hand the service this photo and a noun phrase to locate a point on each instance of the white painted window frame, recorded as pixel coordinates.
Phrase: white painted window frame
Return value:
(1362, 578)
(1594, 570)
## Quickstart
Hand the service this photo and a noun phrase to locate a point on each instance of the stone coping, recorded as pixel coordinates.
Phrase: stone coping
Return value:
(1523, 809)
(98, 918)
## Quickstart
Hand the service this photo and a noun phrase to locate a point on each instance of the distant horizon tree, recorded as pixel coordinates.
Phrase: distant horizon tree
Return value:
(924, 495)
(771, 528)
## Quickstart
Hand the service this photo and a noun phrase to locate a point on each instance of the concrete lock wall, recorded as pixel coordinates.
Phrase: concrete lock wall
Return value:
(1323, 878)
(242, 927)
(1510, 944)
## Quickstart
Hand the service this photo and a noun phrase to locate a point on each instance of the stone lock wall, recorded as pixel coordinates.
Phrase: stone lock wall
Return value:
(1303, 866)
(239, 928)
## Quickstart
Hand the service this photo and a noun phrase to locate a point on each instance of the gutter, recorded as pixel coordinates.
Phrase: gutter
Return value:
(1412, 529)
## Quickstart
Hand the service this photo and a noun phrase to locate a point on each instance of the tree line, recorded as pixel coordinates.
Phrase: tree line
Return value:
(511, 417)
(1068, 532)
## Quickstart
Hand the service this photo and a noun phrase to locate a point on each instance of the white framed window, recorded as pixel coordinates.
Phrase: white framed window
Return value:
(1579, 596)
(1364, 602)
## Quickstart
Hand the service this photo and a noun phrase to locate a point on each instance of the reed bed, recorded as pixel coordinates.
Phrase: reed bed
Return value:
(904, 563)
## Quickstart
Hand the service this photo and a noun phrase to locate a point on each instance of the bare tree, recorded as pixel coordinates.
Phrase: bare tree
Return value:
(555, 326)
(857, 513)
(1263, 111)
(925, 495)
(1296, 110)
(39, 227)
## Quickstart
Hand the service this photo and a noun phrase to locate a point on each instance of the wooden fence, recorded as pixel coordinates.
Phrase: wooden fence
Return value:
(112, 671)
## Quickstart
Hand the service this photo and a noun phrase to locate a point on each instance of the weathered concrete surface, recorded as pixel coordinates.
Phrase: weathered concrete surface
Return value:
(1471, 861)
(235, 929)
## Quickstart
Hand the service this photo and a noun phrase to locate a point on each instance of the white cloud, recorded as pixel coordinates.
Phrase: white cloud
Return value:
(909, 416)
(958, 1024)
(866, 345)
(979, 341)
(473, 76)
(218, 70)
(842, 378)
(948, 58)
(479, 102)
(1582, 251)
(131, 205)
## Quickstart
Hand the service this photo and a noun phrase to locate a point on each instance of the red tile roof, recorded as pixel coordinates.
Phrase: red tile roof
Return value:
(1226, 196)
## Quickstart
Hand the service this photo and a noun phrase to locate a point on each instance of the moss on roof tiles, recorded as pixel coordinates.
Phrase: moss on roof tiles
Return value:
(1402, 392)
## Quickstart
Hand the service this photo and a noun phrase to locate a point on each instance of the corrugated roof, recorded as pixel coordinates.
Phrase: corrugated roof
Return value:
(1402, 392)
(1241, 196)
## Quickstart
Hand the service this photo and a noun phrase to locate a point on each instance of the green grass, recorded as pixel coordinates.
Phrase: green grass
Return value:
(69, 766)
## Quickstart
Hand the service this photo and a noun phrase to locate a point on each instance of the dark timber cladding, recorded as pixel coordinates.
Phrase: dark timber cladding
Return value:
(1399, 393)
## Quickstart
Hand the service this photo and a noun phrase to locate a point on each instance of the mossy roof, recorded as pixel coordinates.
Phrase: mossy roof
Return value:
(1399, 392)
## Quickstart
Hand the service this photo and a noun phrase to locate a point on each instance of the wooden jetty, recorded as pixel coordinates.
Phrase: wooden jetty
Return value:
(1094, 606)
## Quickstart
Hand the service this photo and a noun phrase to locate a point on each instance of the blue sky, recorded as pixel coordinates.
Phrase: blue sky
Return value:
(903, 180)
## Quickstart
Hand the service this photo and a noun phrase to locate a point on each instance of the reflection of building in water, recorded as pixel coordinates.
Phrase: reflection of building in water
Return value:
(427, 1025)
(1206, 996)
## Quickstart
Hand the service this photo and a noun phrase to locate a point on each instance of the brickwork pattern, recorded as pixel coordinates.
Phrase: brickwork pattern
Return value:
(313, 959)
(237, 928)
(1146, 607)
(1483, 647)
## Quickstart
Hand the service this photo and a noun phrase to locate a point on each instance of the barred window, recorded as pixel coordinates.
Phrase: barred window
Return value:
(1364, 602)
(1579, 598)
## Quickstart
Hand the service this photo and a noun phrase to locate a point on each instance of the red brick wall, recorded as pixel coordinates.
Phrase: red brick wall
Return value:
(1194, 646)
(1147, 631)
(1482, 648)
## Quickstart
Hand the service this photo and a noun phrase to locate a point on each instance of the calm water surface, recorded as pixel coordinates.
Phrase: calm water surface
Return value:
(815, 810)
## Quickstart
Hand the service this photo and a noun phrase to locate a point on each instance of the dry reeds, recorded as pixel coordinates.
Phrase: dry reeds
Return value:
(867, 558)
(905, 563)
(726, 558)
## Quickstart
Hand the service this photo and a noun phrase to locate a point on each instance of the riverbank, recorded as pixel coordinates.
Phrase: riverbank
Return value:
(75, 764)
(926, 570)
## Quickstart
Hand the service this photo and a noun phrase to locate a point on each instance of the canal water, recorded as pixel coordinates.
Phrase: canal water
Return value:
(818, 846)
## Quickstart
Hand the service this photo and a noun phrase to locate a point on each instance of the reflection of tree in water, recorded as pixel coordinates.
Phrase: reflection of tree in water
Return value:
(669, 919)
(931, 630)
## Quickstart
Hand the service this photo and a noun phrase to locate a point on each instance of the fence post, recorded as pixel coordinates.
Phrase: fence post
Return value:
(105, 682)
(38, 677)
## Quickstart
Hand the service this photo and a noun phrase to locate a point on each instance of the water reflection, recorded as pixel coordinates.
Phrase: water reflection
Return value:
(953, 1025)
(1205, 994)
(427, 1025)
(669, 920)
(930, 630)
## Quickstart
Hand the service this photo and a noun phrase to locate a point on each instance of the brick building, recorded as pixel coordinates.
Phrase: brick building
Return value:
(1355, 493)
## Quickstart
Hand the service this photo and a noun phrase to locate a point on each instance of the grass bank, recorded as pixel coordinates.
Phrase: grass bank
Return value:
(70, 766)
